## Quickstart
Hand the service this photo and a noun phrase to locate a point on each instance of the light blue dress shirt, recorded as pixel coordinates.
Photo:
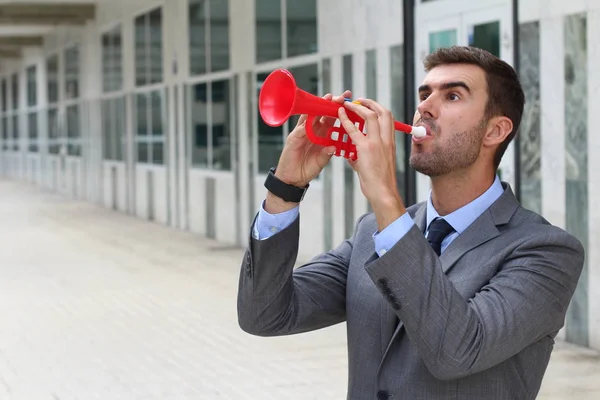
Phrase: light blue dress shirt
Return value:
(269, 224)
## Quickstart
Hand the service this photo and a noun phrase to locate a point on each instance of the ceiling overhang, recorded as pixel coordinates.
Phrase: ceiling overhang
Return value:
(54, 14)
(24, 23)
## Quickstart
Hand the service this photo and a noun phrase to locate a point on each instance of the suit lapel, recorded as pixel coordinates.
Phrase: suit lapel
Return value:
(420, 217)
(482, 230)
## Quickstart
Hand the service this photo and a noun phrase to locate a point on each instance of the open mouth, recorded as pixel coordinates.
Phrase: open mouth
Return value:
(419, 138)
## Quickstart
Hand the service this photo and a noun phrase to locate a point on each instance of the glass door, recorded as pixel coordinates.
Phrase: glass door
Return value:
(491, 30)
(484, 26)
(443, 32)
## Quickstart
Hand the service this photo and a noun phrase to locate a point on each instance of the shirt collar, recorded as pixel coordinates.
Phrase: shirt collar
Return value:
(463, 217)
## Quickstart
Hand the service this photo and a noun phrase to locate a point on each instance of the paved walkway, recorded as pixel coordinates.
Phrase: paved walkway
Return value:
(99, 305)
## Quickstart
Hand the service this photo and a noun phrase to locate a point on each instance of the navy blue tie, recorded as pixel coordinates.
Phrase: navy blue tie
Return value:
(438, 230)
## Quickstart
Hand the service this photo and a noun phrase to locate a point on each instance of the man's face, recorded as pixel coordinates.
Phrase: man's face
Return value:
(452, 106)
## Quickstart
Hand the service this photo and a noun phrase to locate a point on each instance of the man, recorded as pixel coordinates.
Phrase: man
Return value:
(458, 297)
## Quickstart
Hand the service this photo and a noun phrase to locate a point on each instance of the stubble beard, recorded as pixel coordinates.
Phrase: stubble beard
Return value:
(459, 151)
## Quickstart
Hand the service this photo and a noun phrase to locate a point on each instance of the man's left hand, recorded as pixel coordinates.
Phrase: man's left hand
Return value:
(376, 158)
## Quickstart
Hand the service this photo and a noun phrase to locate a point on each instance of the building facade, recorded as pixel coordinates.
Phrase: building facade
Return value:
(150, 108)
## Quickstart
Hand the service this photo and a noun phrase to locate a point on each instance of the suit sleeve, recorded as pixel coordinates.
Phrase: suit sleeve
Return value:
(276, 299)
(526, 300)
(266, 224)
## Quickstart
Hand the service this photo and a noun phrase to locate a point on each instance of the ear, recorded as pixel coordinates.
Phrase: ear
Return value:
(498, 129)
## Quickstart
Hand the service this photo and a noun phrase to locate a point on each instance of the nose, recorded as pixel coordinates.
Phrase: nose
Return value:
(427, 108)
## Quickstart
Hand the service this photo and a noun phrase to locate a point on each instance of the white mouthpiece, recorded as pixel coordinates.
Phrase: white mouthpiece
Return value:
(419, 131)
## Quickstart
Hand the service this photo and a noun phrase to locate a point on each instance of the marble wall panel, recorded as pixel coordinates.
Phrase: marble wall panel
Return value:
(530, 138)
(576, 155)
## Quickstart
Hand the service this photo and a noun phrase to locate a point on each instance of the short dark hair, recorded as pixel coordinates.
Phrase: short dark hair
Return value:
(505, 94)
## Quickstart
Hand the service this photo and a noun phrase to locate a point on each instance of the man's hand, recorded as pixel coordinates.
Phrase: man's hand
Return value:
(376, 158)
(301, 160)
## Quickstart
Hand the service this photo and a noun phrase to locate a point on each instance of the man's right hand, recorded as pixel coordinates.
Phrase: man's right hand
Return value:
(301, 160)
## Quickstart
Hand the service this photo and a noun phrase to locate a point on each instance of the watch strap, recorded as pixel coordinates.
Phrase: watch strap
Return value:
(284, 190)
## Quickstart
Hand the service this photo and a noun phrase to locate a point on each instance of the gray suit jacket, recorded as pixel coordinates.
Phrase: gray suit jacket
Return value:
(476, 323)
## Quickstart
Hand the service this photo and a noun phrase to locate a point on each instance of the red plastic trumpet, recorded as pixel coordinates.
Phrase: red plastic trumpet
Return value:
(281, 98)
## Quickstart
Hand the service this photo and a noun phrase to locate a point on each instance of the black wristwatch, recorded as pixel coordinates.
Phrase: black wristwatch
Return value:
(284, 190)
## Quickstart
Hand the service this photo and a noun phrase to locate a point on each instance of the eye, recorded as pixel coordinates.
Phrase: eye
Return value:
(453, 96)
(424, 96)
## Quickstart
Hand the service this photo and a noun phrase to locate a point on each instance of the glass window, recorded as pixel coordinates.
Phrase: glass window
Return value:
(158, 153)
(397, 108)
(270, 139)
(209, 34)
(53, 140)
(142, 127)
(219, 35)
(33, 132)
(106, 121)
(210, 116)
(347, 79)
(301, 27)
(4, 95)
(486, 36)
(120, 128)
(268, 30)
(197, 39)
(31, 86)
(112, 61)
(5, 137)
(72, 73)
(106, 62)
(15, 129)
(156, 66)
(220, 121)
(148, 48)
(52, 78)
(371, 71)
(142, 115)
(198, 97)
(301, 32)
(141, 60)
(143, 154)
(74, 130)
(15, 91)
(113, 128)
(371, 81)
(442, 39)
(156, 113)
(150, 127)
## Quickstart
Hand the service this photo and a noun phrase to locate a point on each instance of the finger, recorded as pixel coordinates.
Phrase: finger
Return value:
(301, 120)
(330, 121)
(353, 164)
(325, 123)
(346, 95)
(325, 155)
(356, 135)
(370, 117)
(386, 120)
